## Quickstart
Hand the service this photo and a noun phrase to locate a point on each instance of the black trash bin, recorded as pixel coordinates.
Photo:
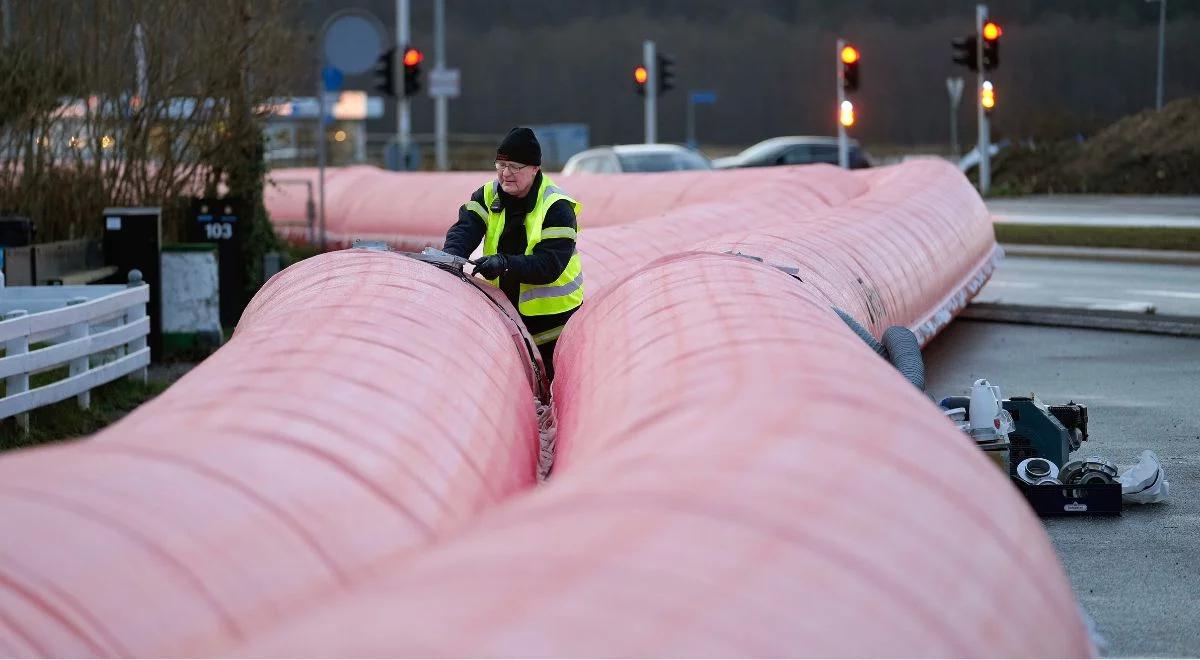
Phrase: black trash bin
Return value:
(16, 231)
(16, 255)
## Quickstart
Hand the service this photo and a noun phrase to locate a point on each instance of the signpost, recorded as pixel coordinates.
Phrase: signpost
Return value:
(954, 86)
(351, 41)
(697, 97)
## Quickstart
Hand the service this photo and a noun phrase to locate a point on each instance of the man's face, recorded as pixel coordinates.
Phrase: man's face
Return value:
(515, 178)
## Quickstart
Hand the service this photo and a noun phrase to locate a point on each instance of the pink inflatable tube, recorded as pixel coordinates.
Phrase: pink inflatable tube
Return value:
(738, 475)
(912, 251)
(412, 210)
(757, 482)
(337, 428)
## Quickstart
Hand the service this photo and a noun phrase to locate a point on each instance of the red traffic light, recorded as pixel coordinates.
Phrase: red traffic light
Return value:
(849, 54)
(640, 76)
(992, 31)
(413, 57)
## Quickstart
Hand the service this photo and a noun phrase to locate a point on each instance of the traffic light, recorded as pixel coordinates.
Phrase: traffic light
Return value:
(640, 77)
(987, 96)
(412, 70)
(666, 72)
(385, 72)
(846, 114)
(991, 45)
(849, 58)
(965, 52)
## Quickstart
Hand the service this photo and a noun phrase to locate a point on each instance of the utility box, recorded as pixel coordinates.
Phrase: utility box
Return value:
(191, 300)
(224, 222)
(133, 239)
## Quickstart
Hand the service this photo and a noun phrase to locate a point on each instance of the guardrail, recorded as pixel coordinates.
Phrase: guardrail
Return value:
(98, 331)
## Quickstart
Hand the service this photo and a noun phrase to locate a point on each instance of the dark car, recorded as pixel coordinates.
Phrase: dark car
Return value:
(794, 150)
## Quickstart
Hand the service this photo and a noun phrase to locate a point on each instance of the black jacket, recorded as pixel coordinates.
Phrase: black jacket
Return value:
(549, 258)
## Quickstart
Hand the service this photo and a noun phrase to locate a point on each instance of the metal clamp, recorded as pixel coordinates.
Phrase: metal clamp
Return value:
(1093, 470)
(1037, 470)
(790, 270)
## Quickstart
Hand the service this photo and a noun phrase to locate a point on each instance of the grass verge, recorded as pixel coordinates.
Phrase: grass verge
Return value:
(1144, 238)
(65, 420)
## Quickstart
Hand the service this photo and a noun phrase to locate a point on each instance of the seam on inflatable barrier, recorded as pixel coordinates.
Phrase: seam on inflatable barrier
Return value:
(547, 434)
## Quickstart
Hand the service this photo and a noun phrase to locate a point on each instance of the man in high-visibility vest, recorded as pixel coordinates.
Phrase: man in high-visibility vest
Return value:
(528, 228)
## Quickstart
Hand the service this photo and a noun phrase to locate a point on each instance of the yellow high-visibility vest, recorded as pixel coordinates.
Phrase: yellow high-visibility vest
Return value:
(564, 293)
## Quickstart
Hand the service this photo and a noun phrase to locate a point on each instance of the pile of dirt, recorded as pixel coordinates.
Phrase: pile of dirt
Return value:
(1147, 153)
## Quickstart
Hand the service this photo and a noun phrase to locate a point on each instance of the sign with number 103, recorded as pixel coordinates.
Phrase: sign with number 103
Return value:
(218, 230)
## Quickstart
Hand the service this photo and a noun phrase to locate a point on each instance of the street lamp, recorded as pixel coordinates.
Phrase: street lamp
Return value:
(1162, 37)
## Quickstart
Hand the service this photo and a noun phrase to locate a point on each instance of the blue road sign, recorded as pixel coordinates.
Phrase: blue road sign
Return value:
(332, 76)
(704, 98)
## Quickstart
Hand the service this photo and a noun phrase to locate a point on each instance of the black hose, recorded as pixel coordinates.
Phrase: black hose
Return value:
(861, 332)
(899, 346)
(904, 352)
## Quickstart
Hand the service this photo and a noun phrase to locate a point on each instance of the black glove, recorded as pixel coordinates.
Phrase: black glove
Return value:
(491, 267)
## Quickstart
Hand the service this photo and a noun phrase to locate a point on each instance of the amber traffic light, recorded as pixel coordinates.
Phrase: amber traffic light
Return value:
(850, 57)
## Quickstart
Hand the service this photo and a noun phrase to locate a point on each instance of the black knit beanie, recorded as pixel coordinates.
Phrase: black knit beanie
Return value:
(520, 146)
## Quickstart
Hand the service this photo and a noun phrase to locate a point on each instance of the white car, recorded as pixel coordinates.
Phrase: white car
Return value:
(794, 150)
(635, 158)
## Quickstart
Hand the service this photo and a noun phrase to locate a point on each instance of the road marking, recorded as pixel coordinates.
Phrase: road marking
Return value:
(1112, 305)
(1187, 295)
(1105, 220)
(1016, 285)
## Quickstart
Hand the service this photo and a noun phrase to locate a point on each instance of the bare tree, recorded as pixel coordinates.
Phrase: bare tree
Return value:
(136, 102)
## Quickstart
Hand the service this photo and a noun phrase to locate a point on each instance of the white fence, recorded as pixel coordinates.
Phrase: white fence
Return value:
(99, 331)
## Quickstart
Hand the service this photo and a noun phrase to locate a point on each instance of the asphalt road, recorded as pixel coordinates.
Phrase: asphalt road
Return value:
(1137, 575)
(1132, 287)
(1098, 210)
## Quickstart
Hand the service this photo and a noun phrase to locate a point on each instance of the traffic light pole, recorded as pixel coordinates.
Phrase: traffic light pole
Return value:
(1162, 39)
(985, 147)
(7, 8)
(649, 61)
(403, 118)
(321, 139)
(439, 102)
(843, 147)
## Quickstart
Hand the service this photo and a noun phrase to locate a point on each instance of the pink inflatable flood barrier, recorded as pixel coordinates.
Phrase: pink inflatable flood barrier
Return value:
(738, 474)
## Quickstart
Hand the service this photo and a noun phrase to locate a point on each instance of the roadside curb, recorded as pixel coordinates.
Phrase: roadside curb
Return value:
(1068, 317)
(1128, 255)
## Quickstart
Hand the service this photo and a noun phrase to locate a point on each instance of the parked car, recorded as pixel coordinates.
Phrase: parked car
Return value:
(635, 158)
(794, 150)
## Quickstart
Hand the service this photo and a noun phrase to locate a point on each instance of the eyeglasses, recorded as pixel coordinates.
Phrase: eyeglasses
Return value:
(511, 167)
